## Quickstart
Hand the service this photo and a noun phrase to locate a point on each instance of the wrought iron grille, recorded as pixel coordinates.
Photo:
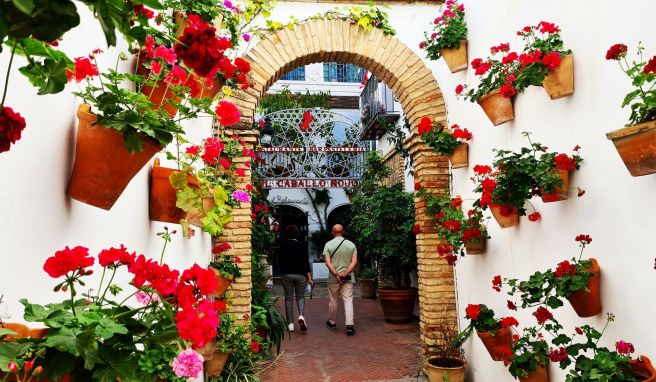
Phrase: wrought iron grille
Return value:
(297, 74)
(311, 144)
(340, 72)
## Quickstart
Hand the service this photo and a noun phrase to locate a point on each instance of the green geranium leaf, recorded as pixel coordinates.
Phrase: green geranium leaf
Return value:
(178, 179)
(186, 199)
(117, 365)
(107, 328)
(25, 6)
(34, 312)
(49, 76)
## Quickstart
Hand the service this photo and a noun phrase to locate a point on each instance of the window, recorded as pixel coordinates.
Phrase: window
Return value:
(297, 74)
(338, 72)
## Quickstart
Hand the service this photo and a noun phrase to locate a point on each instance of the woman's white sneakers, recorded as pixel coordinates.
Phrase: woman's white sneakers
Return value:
(290, 327)
(301, 323)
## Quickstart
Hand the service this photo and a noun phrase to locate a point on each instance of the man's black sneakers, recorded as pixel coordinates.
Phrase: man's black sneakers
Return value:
(331, 326)
(350, 330)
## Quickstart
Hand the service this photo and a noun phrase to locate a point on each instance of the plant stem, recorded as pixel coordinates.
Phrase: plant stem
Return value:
(102, 278)
(4, 92)
(107, 288)
(70, 285)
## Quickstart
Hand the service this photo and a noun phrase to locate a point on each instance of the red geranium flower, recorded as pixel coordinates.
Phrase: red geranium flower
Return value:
(473, 311)
(242, 65)
(115, 256)
(192, 150)
(199, 324)
(551, 60)
(565, 268)
(564, 162)
(496, 283)
(255, 347)
(482, 170)
(456, 202)
(139, 9)
(220, 248)
(509, 321)
(166, 54)
(228, 113)
(67, 260)
(416, 229)
(459, 89)
(204, 279)
(535, 216)
(511, 305)
(616, 52)
(507, 90)
(83, 68)
(558, 355)
(509, 58)
(488, 184)
(417, 186)
(482, 68)
(585, 239)
(542, 315)
(213, 148)
(546, 27)
(425, 125)
(176, 76)
(463, 134)
(651, 66)
(624, 347)
(12, 125)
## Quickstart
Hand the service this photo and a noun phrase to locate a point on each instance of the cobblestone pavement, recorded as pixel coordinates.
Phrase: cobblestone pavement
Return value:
(378, 352)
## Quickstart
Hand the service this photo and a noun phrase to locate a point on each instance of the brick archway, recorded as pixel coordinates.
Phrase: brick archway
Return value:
(420, 96)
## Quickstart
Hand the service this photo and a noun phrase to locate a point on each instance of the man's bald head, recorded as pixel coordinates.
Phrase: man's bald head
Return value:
(338, 230)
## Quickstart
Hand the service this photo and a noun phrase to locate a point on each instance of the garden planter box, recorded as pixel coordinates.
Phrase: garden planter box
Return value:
(496, 344)
(456, 58)
(460, 156)
(445, 369)
(498, 108)
(505, 221)
(539, 375)
(367, 288)
(398, 304)
(587, 302)
(560, 81)
(162, 201)
(476, 248)
(643, 369)
(560, 193)
(637, 147)
(224, 283)
(103, 166)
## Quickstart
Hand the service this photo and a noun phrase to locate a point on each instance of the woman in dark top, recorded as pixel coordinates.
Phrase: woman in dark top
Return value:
(295, 268)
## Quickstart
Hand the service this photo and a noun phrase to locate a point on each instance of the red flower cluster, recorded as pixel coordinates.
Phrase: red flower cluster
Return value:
(200, 49)
(456, 202)
(12, 125)
(67, 260)
(546, 27)
(213, 149)
(203, 279)
(480, 66)
(139, 9)
(459, 133)
(459, 89)
(451, 225)
(551, 60)
(471, 234)
(505, 47)
(583, 239)
(114, 257)
(508, 322)
(425, 125)
(473, 311)
(198, 324)
(535, 216)
(496, 283)
(651, 66)
(176, 76)
(416, 229)
(529, 58)
(255, 347)
(417, 186)
(83, 68)
(507, 90)
(307, 119)
(163, 279)
(507, 355)
(616, 52)
(482, 170)
(228, 113)
(220, 248)
(542, 315)
(624, 347)
(564, 162)
(565, 268)
(558, 355)
(511, 305)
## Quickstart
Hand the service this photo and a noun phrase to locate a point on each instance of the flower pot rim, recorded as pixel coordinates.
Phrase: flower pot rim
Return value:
(631, 130)
(489, 95)
(428, 364)
(84, 113)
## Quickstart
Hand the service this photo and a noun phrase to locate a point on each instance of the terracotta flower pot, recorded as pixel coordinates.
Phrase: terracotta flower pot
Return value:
(643, 369)
(560, 193)
(215, 359)
(194, 216)
(180, 19)
(560, 81)
(637, 147)
(587, 302)
(496, 345)
(456, 58)
(476, 248)
(498, 108)
(449, 369)
(205, 90)
(367, 288)
(160, 94)
(224, 283)
(398, 304)
(162, 200)
(460, 156)
(103, 165)
(539, 375)
(505, 221)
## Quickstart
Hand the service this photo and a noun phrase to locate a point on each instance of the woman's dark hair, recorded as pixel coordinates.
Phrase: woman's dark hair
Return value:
(291, 232)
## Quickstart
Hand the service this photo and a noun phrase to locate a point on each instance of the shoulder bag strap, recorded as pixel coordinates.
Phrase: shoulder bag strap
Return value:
(335, 251)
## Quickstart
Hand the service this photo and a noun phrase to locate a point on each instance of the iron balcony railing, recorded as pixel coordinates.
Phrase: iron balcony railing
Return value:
(377, 107)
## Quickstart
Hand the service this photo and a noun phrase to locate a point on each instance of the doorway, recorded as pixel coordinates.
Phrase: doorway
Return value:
(287, 215)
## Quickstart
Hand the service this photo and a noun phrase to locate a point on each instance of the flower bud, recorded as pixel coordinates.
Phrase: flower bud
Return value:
(64, 288)
(12, 366)
(38, 370)
(28, 365)
(57, 288)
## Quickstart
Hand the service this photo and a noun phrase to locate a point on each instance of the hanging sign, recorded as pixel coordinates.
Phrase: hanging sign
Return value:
(308, 183)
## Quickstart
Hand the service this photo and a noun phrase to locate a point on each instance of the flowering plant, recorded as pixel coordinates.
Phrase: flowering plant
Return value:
(642, 99)
(521, 175)
(499, 71)
(227, 265)
(543, 51)
(449, 30)
(529, 351)
(481, 318)
(95, 337)
(547, 289)
(441, 140)
(452, 225)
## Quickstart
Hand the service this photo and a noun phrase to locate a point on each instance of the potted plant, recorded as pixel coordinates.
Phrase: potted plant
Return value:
(576, 280)
(530, 357)
(449, 37)
(634, 142)
(444, 362)
(521, 175)
(225, 267)
(545, 62)
(91, 335)
(497, 85)
(494, 333)
(451, 143)
(382, 221)
(368, 277)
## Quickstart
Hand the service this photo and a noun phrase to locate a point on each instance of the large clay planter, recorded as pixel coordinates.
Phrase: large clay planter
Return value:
(215, 360)
(367, 288)
(560, 193)
(560, 81)
(449, 369)
(205, 90)
(476, 248)
(162, 200)
(505, 221)
(637, 147)
(223, 282)
(456, 58)
(498, 108)
(460, 156)
(496, 345)
(398, 304)
(103, 165)
(539, 375)
(643, 369)
(587, 302)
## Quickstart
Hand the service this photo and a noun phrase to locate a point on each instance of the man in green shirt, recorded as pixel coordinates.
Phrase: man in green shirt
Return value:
(341, 257)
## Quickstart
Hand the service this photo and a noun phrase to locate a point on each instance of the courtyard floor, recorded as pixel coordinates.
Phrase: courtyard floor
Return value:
(378, 351)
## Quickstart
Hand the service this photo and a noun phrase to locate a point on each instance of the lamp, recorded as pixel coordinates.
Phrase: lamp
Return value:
(266, 134)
